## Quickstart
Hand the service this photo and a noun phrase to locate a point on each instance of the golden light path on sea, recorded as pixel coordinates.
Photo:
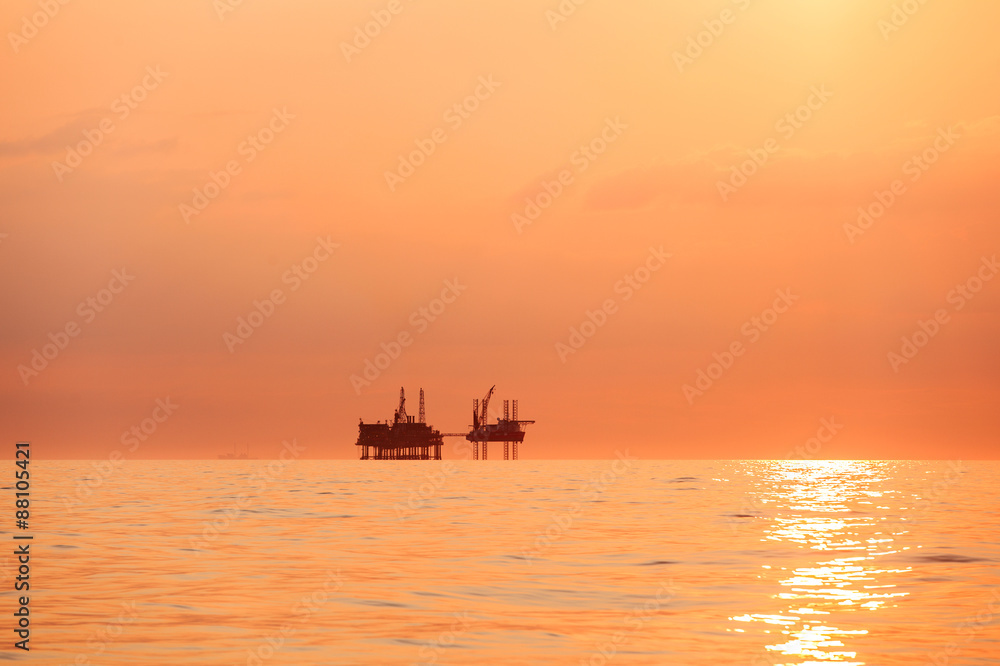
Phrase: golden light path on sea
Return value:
(814, 510)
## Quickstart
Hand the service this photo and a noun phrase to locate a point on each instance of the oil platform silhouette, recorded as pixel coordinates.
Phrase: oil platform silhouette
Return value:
(409, 439)
(403, 439)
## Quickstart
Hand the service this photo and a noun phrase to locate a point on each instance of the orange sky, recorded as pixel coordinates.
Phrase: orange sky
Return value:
(665, 120)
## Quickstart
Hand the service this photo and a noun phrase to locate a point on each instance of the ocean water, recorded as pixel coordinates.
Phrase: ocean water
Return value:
(529, 562)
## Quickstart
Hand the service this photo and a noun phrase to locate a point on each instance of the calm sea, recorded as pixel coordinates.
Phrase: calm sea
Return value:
(469, 562)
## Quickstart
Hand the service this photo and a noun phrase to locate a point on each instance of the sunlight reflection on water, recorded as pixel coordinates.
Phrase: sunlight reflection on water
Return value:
(820, 509)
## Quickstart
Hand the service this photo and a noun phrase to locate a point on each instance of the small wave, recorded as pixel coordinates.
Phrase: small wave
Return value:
(960, 559)
(379, 602)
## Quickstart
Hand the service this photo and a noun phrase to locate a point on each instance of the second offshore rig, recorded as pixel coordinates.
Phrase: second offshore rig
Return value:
(411, 438)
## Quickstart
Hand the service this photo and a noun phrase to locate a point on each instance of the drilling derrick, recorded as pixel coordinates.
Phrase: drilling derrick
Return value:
(400, 416)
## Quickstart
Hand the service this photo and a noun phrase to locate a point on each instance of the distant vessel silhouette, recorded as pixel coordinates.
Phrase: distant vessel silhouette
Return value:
(236, 456)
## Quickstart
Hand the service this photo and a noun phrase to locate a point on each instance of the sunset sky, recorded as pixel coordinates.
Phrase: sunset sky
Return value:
(622, 122)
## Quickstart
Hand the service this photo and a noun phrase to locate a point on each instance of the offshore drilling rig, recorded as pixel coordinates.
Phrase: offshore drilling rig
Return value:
(409, 439)
(508, 429)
